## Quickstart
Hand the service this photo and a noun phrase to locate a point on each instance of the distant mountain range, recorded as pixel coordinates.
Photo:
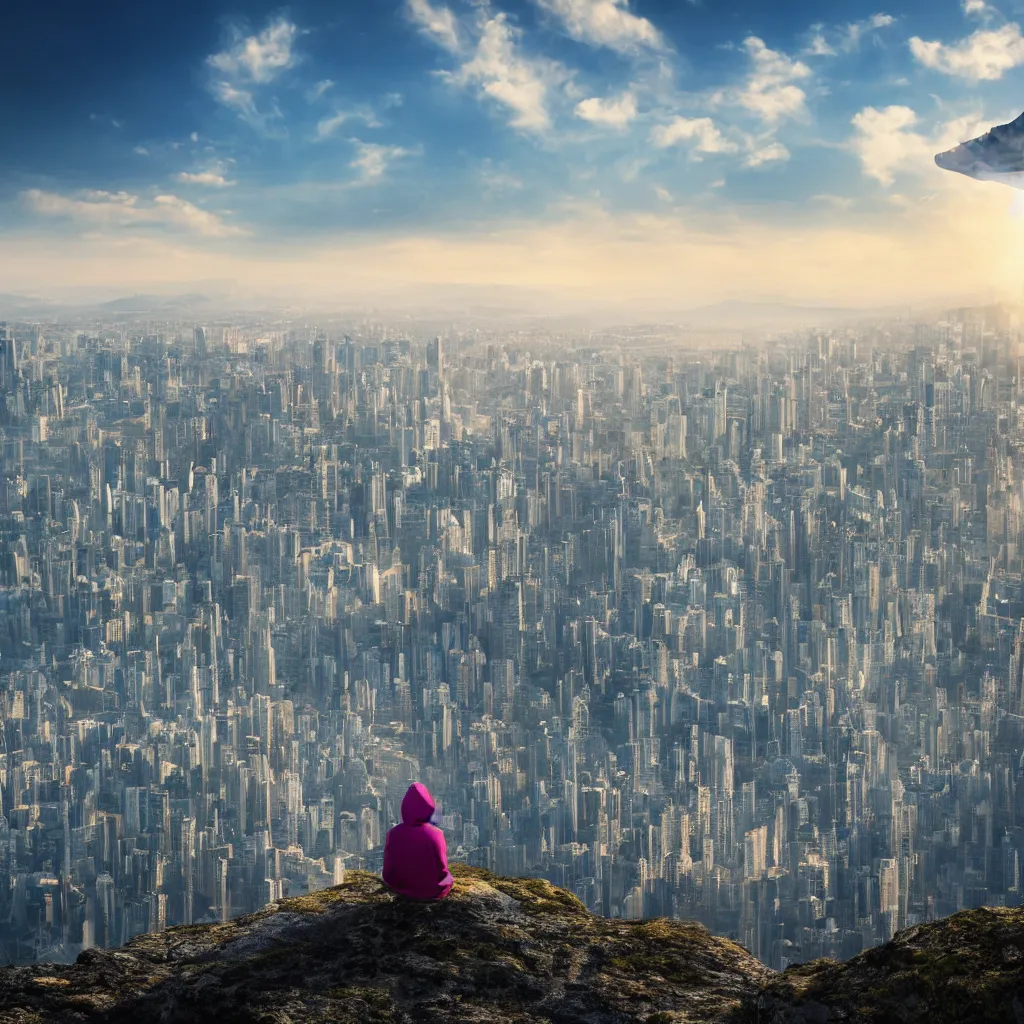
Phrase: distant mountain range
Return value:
(29, 306)
(739, 314)
(469, 303)
(170, 306)
(23, 305)
(154, 303)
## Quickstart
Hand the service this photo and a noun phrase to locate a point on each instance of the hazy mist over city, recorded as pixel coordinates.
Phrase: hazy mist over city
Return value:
(609, 413)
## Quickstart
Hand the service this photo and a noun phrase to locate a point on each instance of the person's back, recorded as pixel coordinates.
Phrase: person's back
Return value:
(415, 853)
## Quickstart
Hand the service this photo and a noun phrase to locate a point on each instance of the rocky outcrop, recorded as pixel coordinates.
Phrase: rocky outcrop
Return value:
(511, 951)
(966, 969)
(998, 155)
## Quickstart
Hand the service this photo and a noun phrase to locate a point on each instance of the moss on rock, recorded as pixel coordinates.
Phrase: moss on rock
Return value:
(510, 951)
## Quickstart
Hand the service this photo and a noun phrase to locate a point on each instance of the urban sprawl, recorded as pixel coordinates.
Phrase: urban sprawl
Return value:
(731, 634)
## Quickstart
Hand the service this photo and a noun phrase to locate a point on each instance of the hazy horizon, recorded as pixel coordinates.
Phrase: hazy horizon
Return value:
(640, 157)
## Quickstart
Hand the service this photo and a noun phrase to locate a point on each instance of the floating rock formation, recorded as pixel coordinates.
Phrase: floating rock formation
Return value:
(998, 155)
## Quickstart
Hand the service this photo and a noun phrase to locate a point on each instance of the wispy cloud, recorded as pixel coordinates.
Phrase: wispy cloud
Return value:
(701, 133)
(836, 202)
(889, 142)
(616, 112)
(829, 42)
(497, 179)
(608, 23)
(491, 60)
(768, 151)
(250, 62)
(124, 209)
(437, 23)
(373, 160)
(212, 176)
(328, 126)
(500, 71)
(819, 46)
(314, 92)
(985, 55)
(243, 102)
(977, 7)
(770, 91)
(856, 31)
(259, 58)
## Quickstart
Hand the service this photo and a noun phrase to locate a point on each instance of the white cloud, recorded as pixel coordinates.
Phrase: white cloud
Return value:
(845, 38)
(243, 103)
(504, 74)
(983, 56)
(769, 92)
(607, 23)
(329, 125)
(213, 177)
(885, 143)
(836, 202)
(492, 61)
(439, 23)
(372, 160)
(259, 58)
(767, 152)
(616, 112)
(181, 212)
(496, 179)
(965, 245)
(141, 151)
(250, 62)
(888, 143)
(314, 92)
(326, 128)
(977, 7)
(701, 131)
(819, 46)
(857, 30)
(123, 209)
(629, 171)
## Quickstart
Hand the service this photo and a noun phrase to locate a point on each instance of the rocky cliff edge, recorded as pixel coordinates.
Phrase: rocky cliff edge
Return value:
(511, 951)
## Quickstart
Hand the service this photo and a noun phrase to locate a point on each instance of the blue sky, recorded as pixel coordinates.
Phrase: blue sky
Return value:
(473, 142)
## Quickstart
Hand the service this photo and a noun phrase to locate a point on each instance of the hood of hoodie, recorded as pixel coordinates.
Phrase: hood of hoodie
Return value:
(417, 805)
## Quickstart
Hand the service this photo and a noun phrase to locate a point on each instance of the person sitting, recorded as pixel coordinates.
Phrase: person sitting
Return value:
(415, 852)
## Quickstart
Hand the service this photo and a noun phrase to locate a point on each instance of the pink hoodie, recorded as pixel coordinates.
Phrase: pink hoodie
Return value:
(415, 853)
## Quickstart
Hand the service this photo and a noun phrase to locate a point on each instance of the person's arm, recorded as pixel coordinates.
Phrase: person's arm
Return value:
(444, 877)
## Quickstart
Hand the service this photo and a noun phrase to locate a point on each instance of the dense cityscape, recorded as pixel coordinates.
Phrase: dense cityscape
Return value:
(730, 634)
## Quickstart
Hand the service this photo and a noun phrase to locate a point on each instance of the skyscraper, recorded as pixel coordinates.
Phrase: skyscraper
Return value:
(435, 356)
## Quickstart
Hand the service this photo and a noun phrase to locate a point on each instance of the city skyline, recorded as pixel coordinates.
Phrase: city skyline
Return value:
(608, 413)
(644, 157)
(733, 635)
